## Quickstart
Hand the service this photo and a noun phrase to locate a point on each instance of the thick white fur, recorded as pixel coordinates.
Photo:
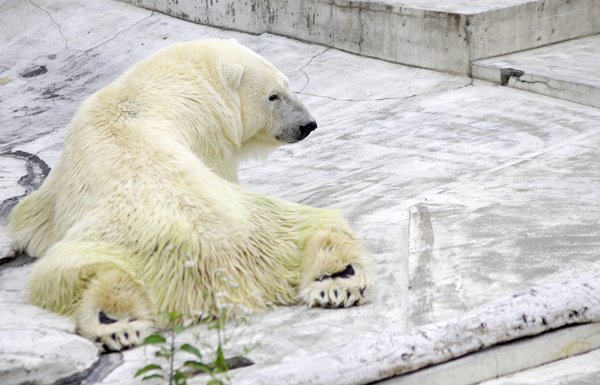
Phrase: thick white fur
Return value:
(143, 213)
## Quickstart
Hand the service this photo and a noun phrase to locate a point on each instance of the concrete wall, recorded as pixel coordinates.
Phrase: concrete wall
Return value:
(439, 40)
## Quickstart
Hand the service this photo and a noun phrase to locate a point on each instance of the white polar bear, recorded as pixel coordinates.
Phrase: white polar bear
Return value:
(143, 212)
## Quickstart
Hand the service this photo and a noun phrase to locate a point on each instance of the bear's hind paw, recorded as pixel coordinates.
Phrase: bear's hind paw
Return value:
(124, 335)
(343, 289)
(112, 335)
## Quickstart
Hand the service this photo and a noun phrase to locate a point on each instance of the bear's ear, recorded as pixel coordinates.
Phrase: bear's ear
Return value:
(232, 75)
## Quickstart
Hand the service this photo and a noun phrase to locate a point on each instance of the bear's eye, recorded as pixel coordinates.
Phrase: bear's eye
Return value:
(273, 97)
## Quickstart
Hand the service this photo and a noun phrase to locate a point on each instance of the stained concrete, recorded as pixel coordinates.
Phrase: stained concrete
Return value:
(577, 370)
(441, 35)
(36, 345)
(569, 70)
(504, 360)
(505, 178)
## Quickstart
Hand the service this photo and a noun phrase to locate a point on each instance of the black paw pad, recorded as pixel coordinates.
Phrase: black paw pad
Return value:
(347, 272)
(104, 319)
(322, 294)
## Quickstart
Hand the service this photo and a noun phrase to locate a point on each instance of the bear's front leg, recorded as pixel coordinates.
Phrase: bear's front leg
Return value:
(335, 270)
(114, 312)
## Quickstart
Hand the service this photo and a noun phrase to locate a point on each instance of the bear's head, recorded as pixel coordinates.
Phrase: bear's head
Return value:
(271, 114)
(216, 97)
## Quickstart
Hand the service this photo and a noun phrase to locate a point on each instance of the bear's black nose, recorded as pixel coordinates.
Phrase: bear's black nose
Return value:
(307, 129)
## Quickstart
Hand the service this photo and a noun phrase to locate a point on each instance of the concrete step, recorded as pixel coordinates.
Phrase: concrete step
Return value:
(521, 362)
(569, 70)
(445, 36)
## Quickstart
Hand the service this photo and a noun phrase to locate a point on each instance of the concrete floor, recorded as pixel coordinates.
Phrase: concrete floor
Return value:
(567, 70)
(504, 182)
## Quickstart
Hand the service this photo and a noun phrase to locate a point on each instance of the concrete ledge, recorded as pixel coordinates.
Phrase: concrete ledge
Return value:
(445, 37)
(44, 357)
(567, 71)
(506, 359)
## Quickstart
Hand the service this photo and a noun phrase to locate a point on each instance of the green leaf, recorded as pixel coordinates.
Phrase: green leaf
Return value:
(154, 339)
(190, 349)
(177, 328)
(162, 354)
(198, 365)
(168, 315)
(220, 361)
(215, 326)
(148, 368)
(152, 376)
(180, 377)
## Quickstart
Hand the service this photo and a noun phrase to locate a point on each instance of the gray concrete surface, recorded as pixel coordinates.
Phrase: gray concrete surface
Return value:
(496, 364)
(579, 370)
(569, 70)
(501, 184)
(441, 35)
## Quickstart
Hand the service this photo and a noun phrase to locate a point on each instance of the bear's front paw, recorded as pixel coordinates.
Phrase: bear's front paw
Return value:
(342, 289)
(116, 334)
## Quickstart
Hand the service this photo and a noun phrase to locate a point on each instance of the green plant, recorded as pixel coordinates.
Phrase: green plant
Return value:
(216, 320)
(175, 376)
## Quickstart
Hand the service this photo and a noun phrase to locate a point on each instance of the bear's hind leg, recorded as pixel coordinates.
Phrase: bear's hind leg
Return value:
(335, 271)
(114, 312)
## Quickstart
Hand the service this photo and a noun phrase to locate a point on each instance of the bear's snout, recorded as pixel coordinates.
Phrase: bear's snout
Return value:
(307, 129)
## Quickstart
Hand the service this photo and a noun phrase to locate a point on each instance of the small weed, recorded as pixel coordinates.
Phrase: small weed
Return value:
(217, 369)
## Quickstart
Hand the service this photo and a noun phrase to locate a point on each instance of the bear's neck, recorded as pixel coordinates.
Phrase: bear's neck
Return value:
(216, 153)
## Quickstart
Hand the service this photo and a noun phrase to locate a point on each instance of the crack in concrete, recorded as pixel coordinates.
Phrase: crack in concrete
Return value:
(307, 64)
(469, 29)
(534, 82)
(358, 100)
(453, 188)
(396, 100)
(567, 13)
(353, 329)
(8, 9)
(86, 52)
(400, 98)
(497, 364)
(361, 20)
(54, 21)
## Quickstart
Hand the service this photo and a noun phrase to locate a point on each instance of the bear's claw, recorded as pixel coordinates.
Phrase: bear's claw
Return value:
(343, 289)
(123, 334)
(112, 335)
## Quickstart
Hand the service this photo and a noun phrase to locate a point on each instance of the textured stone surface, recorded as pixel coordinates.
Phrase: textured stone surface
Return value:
(36, 345)
(521, 354)
(441, 35)
(528, 216)
(566, 71)
(44, 356)
(390, 139)
(583, 369)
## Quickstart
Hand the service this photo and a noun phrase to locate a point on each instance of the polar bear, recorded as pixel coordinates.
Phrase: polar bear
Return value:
(143, 213)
